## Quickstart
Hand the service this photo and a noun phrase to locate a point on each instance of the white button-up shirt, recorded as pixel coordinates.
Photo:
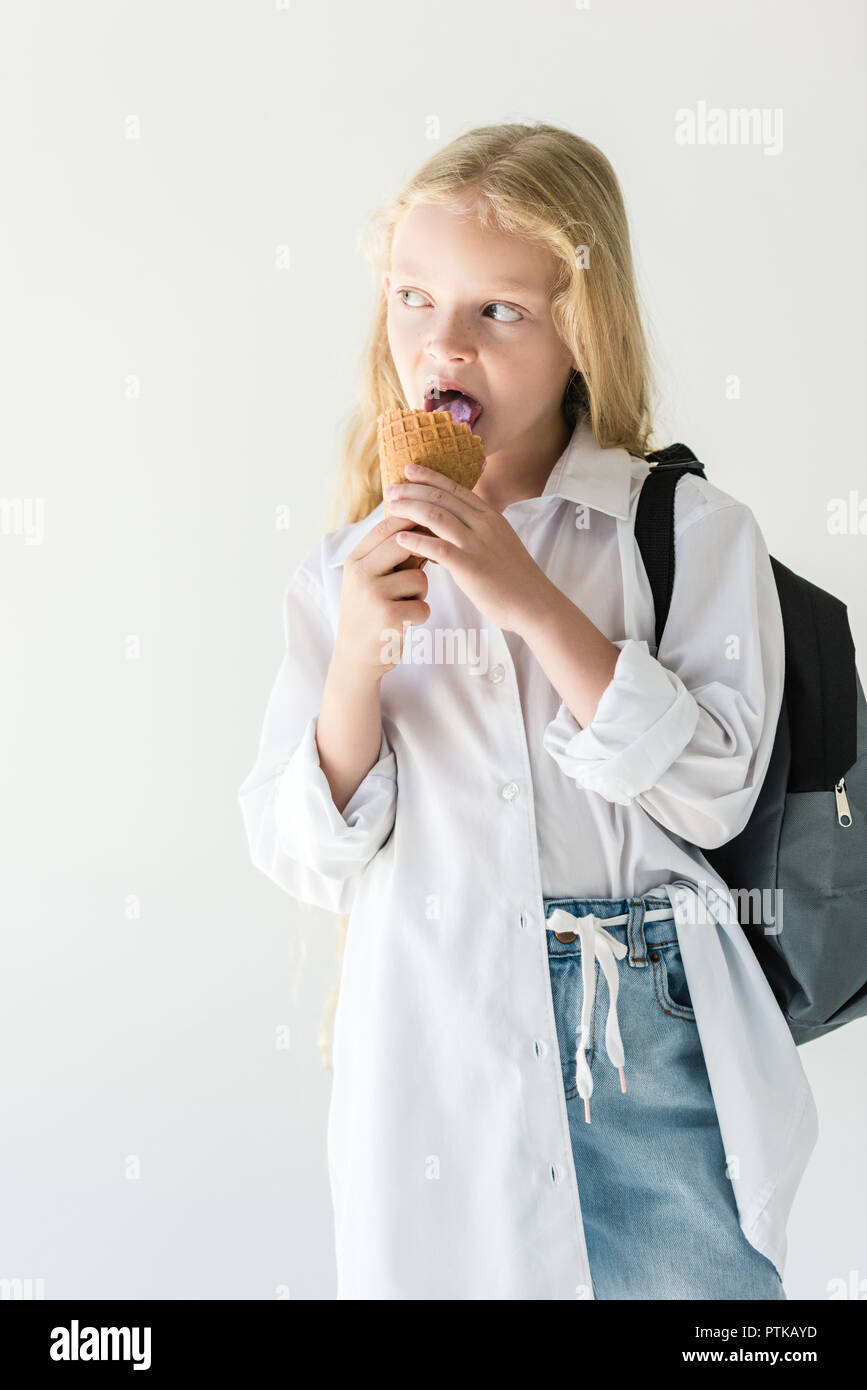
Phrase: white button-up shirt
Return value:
(448, 1140)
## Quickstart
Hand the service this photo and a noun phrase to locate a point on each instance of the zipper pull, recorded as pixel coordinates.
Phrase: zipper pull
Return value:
(844, 815)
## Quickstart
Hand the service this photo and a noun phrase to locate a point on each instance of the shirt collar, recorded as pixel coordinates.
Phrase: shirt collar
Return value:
(591, 476)
(584, 473)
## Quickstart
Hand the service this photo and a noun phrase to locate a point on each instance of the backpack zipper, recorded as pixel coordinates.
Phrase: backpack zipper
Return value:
(844, 815)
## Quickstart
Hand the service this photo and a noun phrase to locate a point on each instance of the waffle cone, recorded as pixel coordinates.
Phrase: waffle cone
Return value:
(434, 439)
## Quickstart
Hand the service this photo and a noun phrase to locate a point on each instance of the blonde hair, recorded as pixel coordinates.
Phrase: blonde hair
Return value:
(544, 184)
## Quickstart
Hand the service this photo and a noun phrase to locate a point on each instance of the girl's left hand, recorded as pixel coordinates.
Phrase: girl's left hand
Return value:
(481, 551)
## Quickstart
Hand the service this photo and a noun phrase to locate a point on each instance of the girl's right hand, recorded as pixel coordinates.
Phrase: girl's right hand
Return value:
(376, 599)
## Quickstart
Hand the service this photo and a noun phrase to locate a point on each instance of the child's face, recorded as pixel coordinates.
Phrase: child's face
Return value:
(455, 313)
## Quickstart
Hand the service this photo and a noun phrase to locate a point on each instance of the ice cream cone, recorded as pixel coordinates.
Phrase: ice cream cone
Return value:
(434, 439)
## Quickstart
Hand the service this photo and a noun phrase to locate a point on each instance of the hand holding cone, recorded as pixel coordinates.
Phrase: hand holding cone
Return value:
(434, 439)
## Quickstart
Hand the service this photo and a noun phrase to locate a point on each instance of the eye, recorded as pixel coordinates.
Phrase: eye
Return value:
(496, 305)
(509, 310)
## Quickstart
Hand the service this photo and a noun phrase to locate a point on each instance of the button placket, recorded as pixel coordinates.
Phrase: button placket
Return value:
(559, 1172)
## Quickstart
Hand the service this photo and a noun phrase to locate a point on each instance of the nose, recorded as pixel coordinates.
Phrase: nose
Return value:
(451, 337)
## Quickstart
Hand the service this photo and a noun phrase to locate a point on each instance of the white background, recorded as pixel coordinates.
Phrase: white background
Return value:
(169, 384)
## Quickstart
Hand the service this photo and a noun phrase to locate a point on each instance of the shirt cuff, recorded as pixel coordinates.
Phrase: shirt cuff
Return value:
(311, 830)
(644, 720)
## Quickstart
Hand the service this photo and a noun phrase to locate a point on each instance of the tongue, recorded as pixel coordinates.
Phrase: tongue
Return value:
(459, 407)
(460, 410)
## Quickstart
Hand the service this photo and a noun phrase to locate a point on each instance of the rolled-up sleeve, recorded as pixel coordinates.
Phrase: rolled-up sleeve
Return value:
(295, 833)
(687, 734)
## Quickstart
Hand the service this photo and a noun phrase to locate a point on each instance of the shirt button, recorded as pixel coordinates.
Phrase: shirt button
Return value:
(540, 1047)
(509, 791)
(498, 674)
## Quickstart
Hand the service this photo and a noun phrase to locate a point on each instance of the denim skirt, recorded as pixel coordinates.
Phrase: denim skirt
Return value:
(659, 1212)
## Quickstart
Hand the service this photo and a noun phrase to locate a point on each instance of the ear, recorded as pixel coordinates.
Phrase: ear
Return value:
(386, 283)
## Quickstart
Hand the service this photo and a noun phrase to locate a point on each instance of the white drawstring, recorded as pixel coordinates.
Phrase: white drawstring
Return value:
(596, 943)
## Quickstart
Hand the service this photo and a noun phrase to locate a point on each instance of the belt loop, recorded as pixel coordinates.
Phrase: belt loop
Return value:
(635, 932)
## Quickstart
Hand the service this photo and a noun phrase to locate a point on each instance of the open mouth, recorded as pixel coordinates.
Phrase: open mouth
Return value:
(462, 408)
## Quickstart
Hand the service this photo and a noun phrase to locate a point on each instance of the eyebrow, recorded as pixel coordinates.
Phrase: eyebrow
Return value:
(410, 272)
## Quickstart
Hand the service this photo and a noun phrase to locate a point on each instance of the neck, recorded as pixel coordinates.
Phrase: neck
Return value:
(522, 468)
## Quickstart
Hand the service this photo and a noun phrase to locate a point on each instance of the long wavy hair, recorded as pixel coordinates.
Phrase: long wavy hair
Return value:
(536, 182)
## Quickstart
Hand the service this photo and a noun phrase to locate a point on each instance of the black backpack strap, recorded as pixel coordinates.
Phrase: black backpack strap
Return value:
(654, 522)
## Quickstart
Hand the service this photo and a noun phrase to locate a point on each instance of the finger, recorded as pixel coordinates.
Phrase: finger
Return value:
(430, 477)
(437, 518)
(378, 548)
(435, 496)
(404, 584)
(432, 548)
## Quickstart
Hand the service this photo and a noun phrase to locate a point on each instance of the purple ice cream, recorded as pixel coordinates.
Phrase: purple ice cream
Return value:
(462, 409)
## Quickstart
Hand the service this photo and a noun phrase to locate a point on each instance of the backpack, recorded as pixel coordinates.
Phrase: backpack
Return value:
(806, 833)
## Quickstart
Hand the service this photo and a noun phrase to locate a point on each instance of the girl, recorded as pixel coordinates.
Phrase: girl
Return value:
(510, 797)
